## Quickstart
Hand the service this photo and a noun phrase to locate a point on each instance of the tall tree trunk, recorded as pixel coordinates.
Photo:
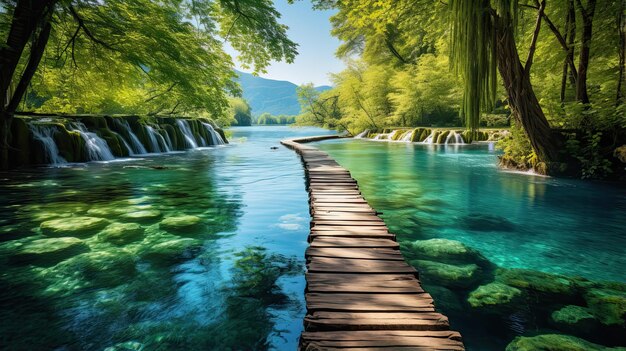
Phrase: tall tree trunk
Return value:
(522, 99)
(583, 61)
(570, 37)
(28, 15)
(621, 22)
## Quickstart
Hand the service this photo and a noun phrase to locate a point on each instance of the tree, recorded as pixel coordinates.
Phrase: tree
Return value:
(241, 112)
(175, 46)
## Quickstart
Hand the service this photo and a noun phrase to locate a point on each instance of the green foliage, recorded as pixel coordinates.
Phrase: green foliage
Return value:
(517, 148)
(593, 163)
(146, 57)
(267, 119)
(240, 112)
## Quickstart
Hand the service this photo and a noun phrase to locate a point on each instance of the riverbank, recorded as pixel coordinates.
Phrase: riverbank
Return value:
(59, 139)
(504, 255)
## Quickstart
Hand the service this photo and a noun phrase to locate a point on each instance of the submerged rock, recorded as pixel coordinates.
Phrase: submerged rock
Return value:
(609, 305)
(495, 297)
(558, 287)
(144, 215)
(49, 251)
(487, 223)
(121, 233)
(442, 250)
(126, 346)
(73, 226)
(448, 275)
(574, 319)
(172, 250)
(180, 223)
(555, 342)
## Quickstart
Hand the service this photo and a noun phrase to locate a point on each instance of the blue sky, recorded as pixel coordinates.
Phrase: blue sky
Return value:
(311, 30)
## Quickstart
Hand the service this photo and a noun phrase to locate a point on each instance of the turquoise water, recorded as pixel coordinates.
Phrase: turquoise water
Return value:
(557, 226)
(194, 250)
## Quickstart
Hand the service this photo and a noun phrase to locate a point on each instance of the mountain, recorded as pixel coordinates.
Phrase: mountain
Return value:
(278, 97)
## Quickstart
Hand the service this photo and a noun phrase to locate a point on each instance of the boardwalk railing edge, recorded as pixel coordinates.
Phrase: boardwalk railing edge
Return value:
(360, 292)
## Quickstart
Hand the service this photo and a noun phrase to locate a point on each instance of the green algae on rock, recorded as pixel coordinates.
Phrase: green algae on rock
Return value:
(448, 275)
(180, 223)
(443, 250)
(609, 305)
(574, 319)
(121, 233)
(556, 342)
(495, 297)
(558, 287)
(73, 226)
(171, 250)
(142, 215)
(48, 251)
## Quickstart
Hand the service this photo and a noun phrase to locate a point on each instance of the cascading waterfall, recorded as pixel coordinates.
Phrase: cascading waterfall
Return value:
(168, 141)
(157, 142)
(455, 137)
(381, 136)
(97, 148)
(216, 138)
(137, 146)
(184, 128)
(45, 134)
(362, 135)
(406, 137)
(430, 138)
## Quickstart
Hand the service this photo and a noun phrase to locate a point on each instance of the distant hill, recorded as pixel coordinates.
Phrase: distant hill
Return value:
(277, 97)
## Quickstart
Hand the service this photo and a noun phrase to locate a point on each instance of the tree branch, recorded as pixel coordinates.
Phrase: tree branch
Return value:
(162, 93)
(533, 45)
(81, 24)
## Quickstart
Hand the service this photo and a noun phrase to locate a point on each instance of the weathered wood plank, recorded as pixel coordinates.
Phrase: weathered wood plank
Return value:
(322, 320)
(349, 242)
(363, 253)
(370, 302)
(363, 283)
(365, 266)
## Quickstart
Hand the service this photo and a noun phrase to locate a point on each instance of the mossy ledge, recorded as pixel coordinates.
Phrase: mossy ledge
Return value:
(46, 139)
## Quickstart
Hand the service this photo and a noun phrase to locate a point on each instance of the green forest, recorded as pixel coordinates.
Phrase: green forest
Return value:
(485, 64)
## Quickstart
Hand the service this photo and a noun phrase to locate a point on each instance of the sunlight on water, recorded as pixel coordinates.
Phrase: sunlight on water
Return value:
(204, 252)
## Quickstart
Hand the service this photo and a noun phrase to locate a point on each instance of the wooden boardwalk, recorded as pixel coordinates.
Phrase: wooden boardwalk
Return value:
(361, 294)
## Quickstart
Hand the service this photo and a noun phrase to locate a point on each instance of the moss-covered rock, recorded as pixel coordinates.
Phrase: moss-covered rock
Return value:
(180, 223)
(495, 298)
(126, 346)
(113, 141)
(121, 233)
(441, 138)
(143, 215)
(620, 153)
(448, 275)
(442, 250)
(552, 287)
(45, 252)
(555, 342)
(424, 135)
(92, 269)
(609, 305)
(574, 319)
(172, 250)
(73, 226)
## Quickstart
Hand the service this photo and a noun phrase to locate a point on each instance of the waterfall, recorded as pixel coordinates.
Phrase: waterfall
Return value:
(97, 148)
(457, 138)
(168, 142)
(184, 128)
(362, 135)
(216, 138)
(137, 147)
(45, 134)
(430, 138)
(128, 148)
(381, 136)
(155, 138)
(406, 137)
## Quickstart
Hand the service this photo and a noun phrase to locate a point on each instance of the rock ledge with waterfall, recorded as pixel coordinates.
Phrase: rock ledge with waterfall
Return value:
(58, 139)
(434, 135)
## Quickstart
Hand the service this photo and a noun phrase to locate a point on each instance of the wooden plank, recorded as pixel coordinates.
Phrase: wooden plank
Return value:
(322, 320)
(349, 242)
(369, 302)
(361, 224)
(363, 283)
(363, 253)
(346, 265)
(349, 229)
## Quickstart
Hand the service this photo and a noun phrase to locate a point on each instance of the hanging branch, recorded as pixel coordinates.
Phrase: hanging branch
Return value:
(81, 24)
(533, 45)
